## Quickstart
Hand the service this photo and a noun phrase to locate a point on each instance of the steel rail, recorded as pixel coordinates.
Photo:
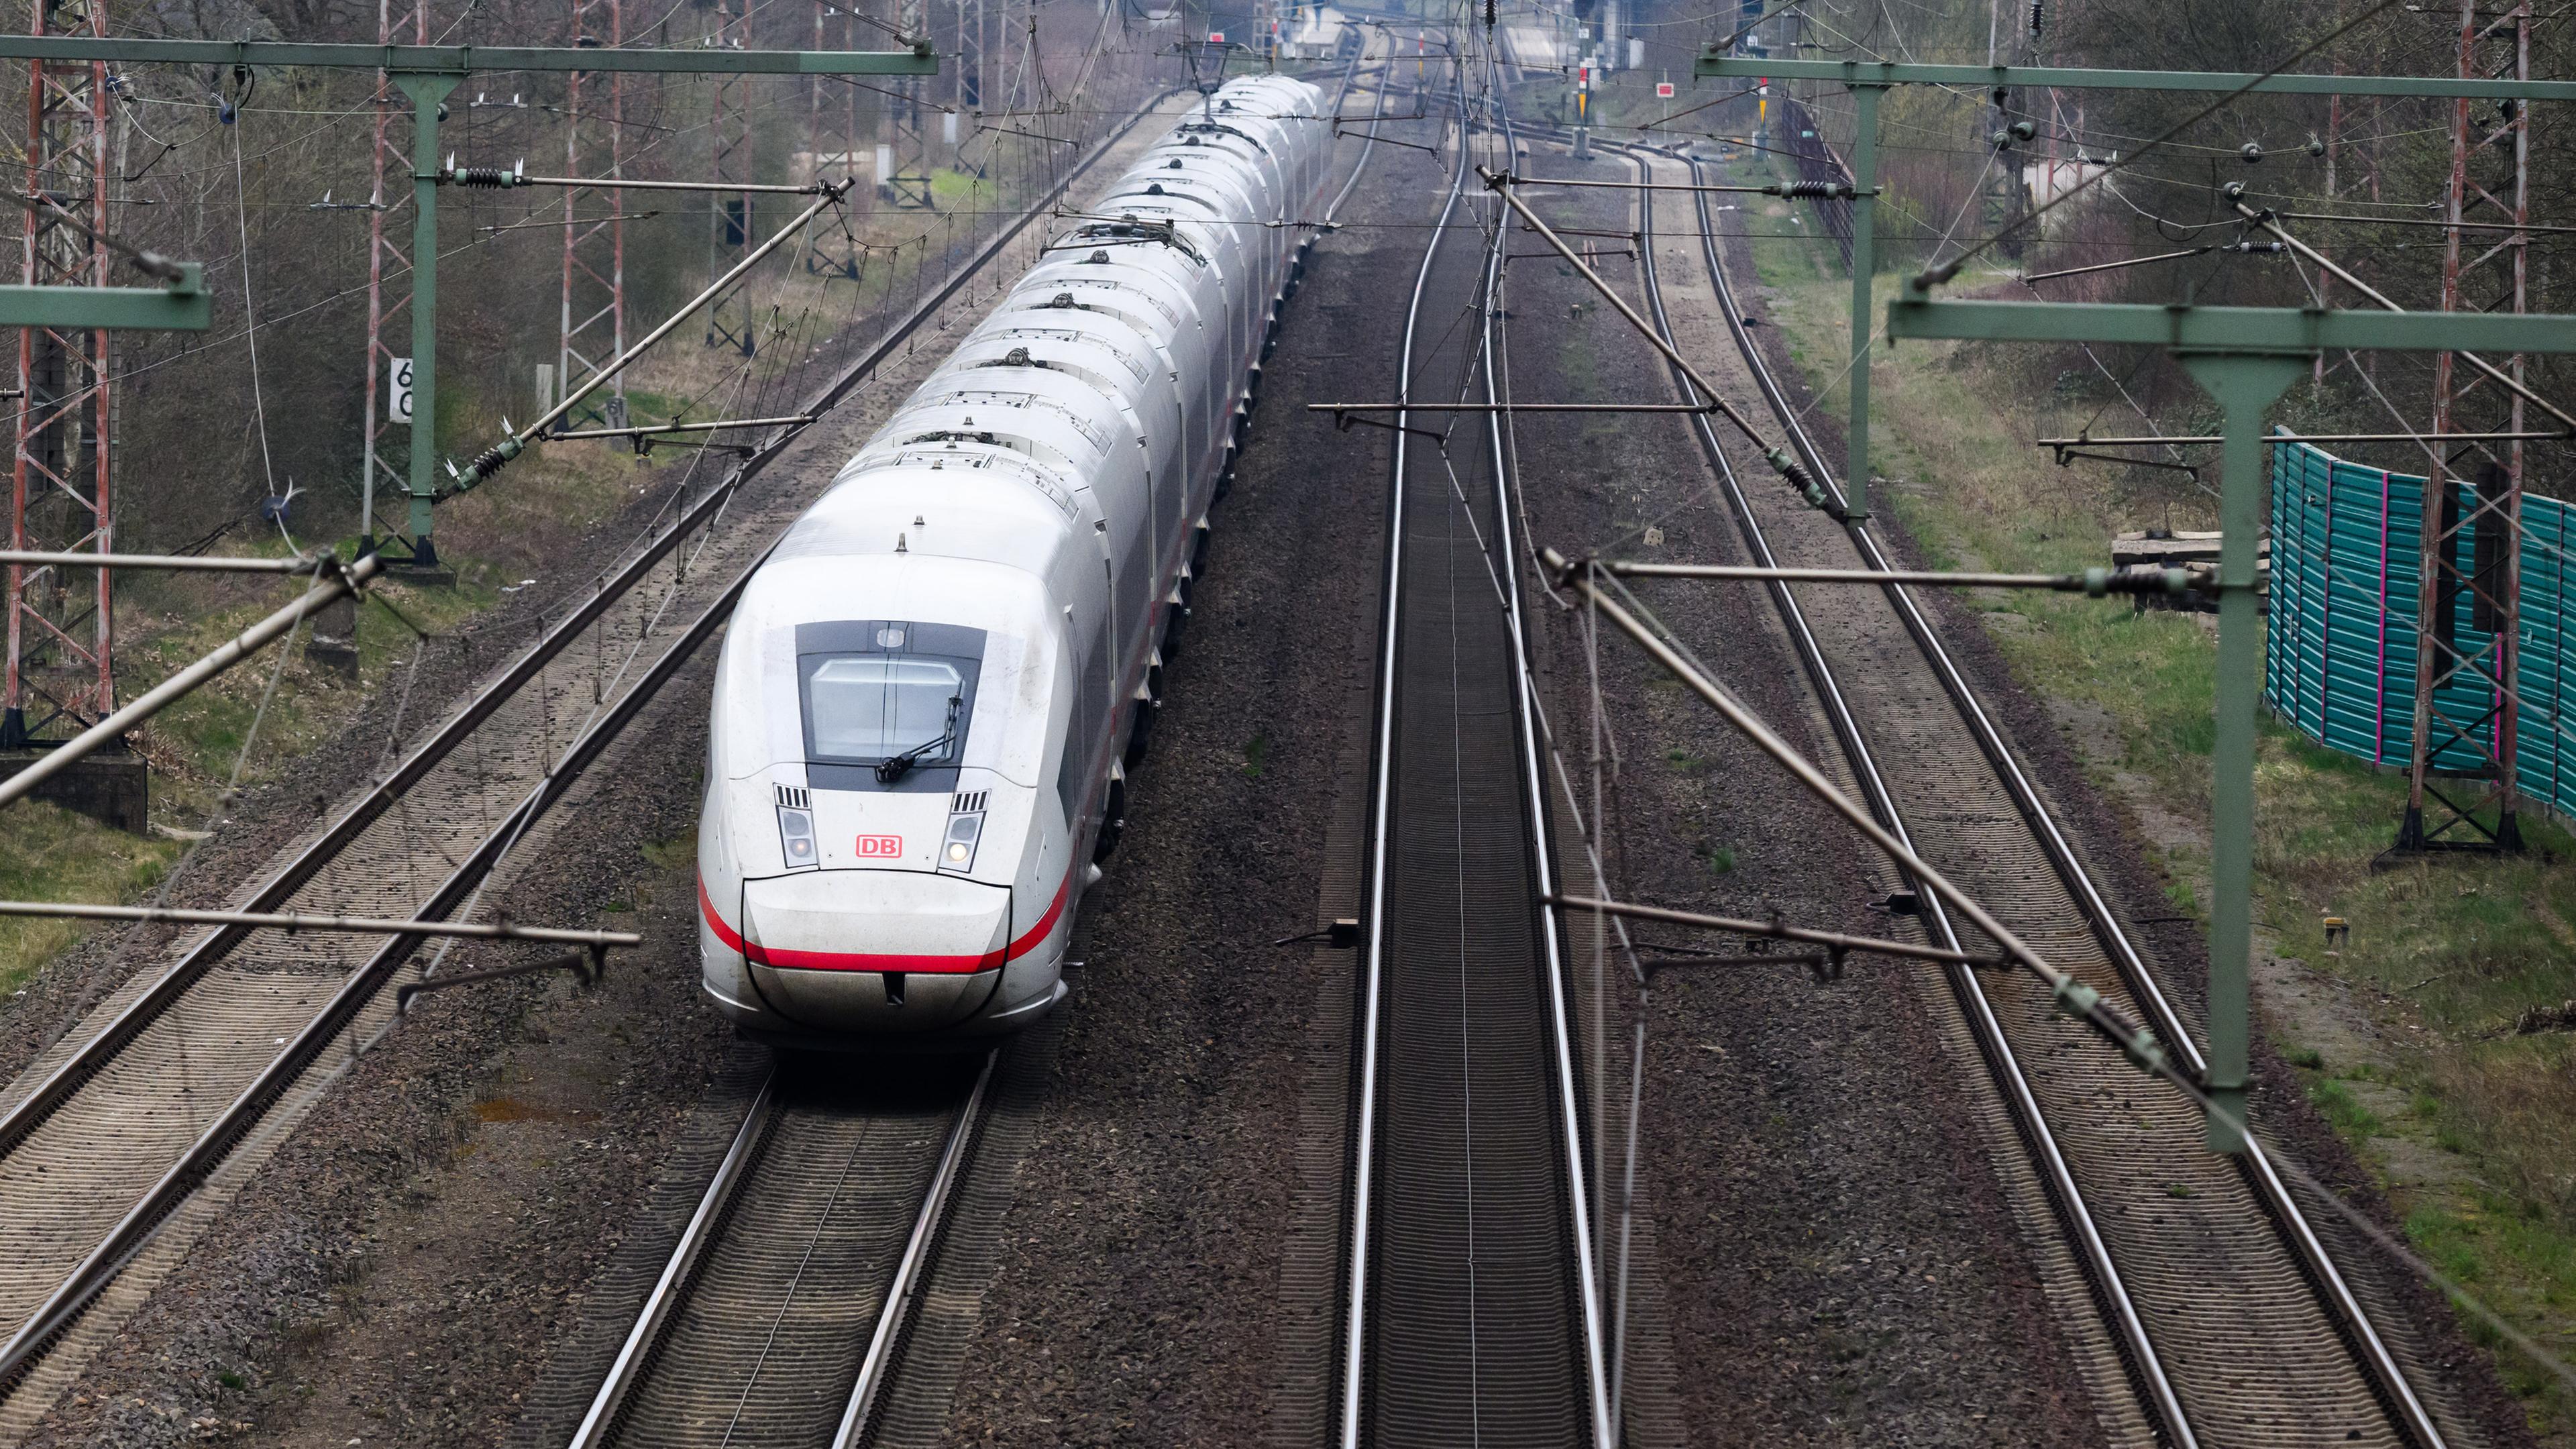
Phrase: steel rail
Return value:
(2053, 1170)
(130, 1021)
(642, 1346)
(895, 1319)
(634, 1355)
(1381, 814)
(213, 1145)
(69, 1076)
(2346, 1307)
(1605, 1412)
(1359, 164)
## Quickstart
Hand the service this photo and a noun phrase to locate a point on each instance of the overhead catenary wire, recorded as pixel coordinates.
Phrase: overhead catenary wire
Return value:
(1941, 272)
(250, 334)
(492, 460)
(2494, 373)
(1773, 453)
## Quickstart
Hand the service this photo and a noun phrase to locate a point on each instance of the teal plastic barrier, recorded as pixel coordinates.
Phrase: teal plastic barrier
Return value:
(2347, 575)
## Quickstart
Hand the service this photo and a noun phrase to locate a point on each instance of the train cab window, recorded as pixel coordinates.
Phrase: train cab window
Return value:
(869, 706)
(886, 703)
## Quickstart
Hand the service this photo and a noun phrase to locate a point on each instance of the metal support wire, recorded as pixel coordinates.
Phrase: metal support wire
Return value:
(298, 922)
(2212, 440)
(339, 581)
(658, 429)
(1777, 456)
(185, 562)
(1339, 409)
(2096, 582)
(2072, 996)
(1834, 941)
(493, 459)
(483, 177)
(2510, 383)
(1802, 189)
(2115, 266)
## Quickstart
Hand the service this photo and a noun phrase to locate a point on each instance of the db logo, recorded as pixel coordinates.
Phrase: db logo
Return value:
(880, 847)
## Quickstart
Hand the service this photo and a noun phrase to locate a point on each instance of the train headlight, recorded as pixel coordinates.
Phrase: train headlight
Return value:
(957, 850)
(796, 835)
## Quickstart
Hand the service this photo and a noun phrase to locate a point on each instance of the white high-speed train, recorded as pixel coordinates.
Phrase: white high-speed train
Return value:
(929, 692)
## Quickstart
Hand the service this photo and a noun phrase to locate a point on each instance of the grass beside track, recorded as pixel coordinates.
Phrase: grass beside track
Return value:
(2469, 1124)
(494, 539)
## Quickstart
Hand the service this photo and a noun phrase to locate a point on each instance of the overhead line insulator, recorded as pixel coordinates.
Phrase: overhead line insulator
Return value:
(483, 176)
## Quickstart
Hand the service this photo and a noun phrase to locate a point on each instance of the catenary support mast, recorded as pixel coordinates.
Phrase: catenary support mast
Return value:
(386, 259)
(2465, 706)
(61, 633)
(594, 261)
(731, 223)
(832, 130)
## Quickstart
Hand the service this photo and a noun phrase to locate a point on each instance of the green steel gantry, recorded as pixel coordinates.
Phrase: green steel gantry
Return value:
(426, 74)
(2243, 356)
(182, 305)
(1869, 80)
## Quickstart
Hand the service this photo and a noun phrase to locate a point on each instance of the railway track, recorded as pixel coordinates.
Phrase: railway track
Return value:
(185, 1077)
(1471, 1308)
(2221, 1317)
(784, 1311)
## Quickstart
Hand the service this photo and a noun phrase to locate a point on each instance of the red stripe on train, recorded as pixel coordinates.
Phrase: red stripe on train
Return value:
(761, 955)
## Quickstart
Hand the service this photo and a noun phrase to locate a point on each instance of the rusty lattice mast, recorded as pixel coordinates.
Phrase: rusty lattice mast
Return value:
(2465, 710)
(731, 223)
(390, 190)
(594, 259)
(61, 665)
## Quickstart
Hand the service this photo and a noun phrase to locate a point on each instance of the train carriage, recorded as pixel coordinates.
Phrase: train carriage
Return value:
(929, 692)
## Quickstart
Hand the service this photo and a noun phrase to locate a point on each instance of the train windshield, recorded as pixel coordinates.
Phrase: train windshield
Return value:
(890, 716)
(871, 707)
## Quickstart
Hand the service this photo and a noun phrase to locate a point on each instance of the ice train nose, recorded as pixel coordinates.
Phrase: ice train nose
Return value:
(875, 950)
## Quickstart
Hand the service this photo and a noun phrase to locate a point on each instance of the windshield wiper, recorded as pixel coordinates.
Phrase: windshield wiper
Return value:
(893, 767)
